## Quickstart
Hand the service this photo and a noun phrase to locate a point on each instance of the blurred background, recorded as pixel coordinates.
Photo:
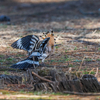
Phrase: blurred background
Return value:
(59, 15)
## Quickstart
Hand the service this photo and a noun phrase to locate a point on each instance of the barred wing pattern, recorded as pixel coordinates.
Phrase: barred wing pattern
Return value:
(37, 54)
(41, 46)
(27, 43)
(25, 64)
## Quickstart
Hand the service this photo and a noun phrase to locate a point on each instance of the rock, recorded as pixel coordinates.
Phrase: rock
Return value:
(4, 18)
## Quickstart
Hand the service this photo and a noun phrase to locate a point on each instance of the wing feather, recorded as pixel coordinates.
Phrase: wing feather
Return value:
(26, 43)
(24, 64)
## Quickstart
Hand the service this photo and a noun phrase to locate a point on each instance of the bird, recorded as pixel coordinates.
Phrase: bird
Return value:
(36, 49)
(33, 59)
(51, 43)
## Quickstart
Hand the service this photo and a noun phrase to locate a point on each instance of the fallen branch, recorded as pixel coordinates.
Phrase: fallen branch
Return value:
(42, 78)
(78, 93)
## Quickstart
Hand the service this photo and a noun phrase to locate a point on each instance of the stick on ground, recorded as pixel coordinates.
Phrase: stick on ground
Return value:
(42, 78)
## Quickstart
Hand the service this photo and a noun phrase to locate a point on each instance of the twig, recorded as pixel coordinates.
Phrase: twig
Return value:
(96, 75)
(81, 63)
(91, 70)
(42, 78)
(94, 31)
(70, 69)
(85, 94)
(80, 66)
(34, 60)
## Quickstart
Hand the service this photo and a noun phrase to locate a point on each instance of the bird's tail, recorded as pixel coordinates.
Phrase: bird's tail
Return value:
(25, 64)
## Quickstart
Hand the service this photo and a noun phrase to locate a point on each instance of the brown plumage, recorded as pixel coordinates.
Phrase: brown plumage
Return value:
(51, 43)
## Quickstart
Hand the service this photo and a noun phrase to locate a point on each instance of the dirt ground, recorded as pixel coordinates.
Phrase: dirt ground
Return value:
(77, 22)
(20, 96)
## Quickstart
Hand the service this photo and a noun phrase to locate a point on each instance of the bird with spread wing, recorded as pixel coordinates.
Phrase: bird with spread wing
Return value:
(36, 50)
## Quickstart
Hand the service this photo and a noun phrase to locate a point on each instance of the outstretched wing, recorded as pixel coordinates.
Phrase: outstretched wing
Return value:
(27, 43)
(42, 45)
(25, 64)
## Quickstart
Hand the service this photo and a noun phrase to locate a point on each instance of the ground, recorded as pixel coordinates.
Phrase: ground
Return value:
(77, 22)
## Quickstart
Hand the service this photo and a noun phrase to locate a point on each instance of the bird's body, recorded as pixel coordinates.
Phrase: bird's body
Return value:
(34, 57)
(37, 50)
(51, 43)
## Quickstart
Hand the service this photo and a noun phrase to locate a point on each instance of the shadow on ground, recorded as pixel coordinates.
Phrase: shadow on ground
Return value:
(45, 12)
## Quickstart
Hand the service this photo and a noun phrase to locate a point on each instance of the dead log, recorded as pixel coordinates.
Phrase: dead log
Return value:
(52, 73)
(9, 79)
(78, 85)
(90, 83)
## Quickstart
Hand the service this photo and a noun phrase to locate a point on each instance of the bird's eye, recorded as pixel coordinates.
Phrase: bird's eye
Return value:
(52, 46)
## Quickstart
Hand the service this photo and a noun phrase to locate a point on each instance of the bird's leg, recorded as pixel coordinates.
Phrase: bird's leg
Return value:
(34, 64)
(35, 58)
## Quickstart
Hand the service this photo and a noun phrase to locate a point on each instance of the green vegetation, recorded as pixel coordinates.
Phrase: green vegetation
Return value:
(66, 50)
(87, 72)
(56, 47)
(3, 25)
(88, 59)
(70, 65)
(20, 55)
(2, 60)
(92, 72)
(1, 56)
(99, 48)
(22, 91)
(97, 98)
(67, 59)
(98, 59)
(6, 72)
(75, 48)
(86, 48)
(10, 59)
(52, 93)
(77, 60)
(62, 59)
